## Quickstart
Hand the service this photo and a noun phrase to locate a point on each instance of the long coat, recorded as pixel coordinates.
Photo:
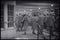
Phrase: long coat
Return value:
(34, 23)
(25, 22)
(50, 21)
(19, 21)
(41, 21)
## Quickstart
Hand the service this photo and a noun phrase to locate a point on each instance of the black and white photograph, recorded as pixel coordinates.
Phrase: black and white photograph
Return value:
(29, 19)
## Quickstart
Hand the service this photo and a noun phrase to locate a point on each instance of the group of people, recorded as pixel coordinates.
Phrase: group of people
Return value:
(36, 21)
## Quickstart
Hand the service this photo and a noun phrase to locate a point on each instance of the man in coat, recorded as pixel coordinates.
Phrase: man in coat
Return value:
(34, 23)
(41, 23)
(19, 22)
(50, 23)
(25, 23)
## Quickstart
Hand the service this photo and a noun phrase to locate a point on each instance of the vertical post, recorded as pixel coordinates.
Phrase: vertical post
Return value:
(14, 13)
(5, 16)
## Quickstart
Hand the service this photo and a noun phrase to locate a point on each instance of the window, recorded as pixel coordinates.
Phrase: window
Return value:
(10, 15)
(2, 15)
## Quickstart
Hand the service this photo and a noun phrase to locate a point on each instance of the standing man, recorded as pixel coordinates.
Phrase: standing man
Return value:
(41, 23)
(50, 24)
(16, 21)
(19, 22)
(34, 24)
(25, 23)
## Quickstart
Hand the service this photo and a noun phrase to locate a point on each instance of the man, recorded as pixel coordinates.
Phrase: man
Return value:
(41, 23)
(16, 21)
(25, 22)
(34, 24)
(50, 23)
(19, 22)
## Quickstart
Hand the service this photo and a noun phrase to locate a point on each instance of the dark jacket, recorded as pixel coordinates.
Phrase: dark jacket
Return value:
(19, 21)
(41, 21)
(50, 21)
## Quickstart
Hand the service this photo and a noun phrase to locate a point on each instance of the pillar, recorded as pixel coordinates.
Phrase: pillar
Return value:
(5, 17)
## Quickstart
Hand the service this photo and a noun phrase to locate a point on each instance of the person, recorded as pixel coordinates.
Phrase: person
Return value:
(50, 24)
(25, 23)
(16, 21)
(19, 22)
(57, 23)
(45, 19)
(34, 24)
(41, 23)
